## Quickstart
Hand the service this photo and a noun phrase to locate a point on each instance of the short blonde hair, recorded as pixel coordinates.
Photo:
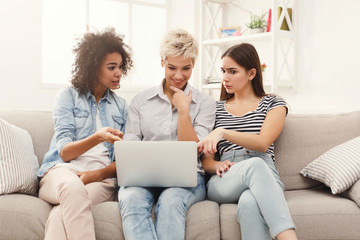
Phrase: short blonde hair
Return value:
(179, 43)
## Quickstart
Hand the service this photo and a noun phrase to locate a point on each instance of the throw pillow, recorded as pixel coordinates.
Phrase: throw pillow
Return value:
(337, 168)
(354, 192)
(18, 163)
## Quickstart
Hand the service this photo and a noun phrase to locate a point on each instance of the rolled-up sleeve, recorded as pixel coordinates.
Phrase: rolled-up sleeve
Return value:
(64, 120)
(133, 130)
(205, 119)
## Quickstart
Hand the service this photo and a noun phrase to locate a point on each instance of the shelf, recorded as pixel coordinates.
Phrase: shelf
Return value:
(278, 47)
(238, 39)
(246, 38)
(219, 1)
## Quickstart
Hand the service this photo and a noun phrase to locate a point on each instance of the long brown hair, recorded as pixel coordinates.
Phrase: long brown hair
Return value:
(90, 52)
(246, 56)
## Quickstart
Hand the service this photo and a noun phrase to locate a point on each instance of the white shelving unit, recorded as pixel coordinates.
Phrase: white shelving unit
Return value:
(277, 48)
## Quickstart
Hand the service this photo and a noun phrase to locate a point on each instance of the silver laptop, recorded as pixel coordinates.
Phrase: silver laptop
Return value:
(156, 163)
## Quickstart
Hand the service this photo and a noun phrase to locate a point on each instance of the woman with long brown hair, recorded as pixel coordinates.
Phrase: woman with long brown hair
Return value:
(248, 121)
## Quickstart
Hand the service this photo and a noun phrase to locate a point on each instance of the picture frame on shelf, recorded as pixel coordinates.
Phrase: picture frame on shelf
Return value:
(225, 32)
(284, 25)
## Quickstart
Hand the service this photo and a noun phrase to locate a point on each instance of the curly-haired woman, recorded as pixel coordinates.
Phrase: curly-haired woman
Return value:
(78, 170)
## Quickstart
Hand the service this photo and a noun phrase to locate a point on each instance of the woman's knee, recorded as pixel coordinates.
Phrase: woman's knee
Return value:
(247, 205)
(177, 200)
(257, 162)
(172, 198)
(69, 186)
(135, 197)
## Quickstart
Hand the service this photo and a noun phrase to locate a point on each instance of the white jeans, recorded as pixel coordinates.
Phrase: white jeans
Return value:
(253, 182)
(71, 217)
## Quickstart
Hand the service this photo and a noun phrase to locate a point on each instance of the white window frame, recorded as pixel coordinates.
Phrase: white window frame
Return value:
(134, 87)
(129, 86)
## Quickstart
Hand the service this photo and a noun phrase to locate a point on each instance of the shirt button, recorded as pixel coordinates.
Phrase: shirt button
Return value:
(247, 151)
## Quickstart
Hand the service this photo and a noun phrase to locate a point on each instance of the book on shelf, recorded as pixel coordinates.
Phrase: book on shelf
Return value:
(268, 25)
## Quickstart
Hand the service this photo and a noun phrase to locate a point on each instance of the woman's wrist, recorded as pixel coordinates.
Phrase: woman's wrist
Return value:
(222, 132)
(98, 137)
(103, 173)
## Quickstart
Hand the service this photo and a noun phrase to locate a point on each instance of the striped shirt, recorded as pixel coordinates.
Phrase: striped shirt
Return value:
(250, 122)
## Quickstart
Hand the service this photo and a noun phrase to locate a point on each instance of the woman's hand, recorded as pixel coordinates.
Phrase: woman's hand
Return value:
(109, 134)
(209, 143)
(180, 100)
(223, 167)
(90, 176)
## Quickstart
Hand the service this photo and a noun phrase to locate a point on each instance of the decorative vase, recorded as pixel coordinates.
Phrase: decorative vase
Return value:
(256, 30)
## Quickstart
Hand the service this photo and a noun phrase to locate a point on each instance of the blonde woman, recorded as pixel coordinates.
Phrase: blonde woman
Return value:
(172, 111)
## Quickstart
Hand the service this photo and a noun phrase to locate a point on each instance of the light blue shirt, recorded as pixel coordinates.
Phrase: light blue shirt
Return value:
(152, 118)
(74, 118)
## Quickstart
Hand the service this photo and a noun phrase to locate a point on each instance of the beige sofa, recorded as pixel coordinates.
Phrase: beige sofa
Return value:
(316, 212)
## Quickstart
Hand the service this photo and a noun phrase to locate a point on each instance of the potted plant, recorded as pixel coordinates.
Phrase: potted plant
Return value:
(257, 23)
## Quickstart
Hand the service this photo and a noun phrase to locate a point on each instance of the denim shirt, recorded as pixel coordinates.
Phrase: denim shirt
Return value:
(74, 118)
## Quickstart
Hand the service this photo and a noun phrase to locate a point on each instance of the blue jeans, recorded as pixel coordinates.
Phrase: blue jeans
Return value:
(253, 182)
(136, 204)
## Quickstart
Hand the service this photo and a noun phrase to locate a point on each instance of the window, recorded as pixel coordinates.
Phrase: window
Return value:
(142, 22)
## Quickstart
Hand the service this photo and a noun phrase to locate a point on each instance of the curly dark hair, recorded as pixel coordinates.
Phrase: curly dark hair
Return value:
(90, 52)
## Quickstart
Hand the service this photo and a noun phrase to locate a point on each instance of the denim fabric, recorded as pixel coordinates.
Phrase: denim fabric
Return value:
(172, 204)
(253, 182)
(74, 118)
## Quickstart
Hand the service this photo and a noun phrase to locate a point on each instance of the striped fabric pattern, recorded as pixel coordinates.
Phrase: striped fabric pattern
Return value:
(337, 168)
(18, 163)
(250, 122)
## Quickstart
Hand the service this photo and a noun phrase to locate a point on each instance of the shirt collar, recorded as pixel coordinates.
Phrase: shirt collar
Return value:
(159, 91)
(105, 97)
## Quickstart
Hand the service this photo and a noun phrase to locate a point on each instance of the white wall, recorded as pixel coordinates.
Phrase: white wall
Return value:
(182, 15)
(20, 56)
(329, 54)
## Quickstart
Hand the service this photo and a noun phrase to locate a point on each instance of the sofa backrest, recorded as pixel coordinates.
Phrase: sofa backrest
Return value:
(38, 123)
(305, 137)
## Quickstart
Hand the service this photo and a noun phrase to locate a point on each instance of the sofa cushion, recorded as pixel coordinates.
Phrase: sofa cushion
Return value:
(38, 123)
(229, 227)
(23, 217)
(305, 137)
(107, 221)
(202, 221)
(337, 168)
(353, 192)
(318, 214)
(18, 163)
